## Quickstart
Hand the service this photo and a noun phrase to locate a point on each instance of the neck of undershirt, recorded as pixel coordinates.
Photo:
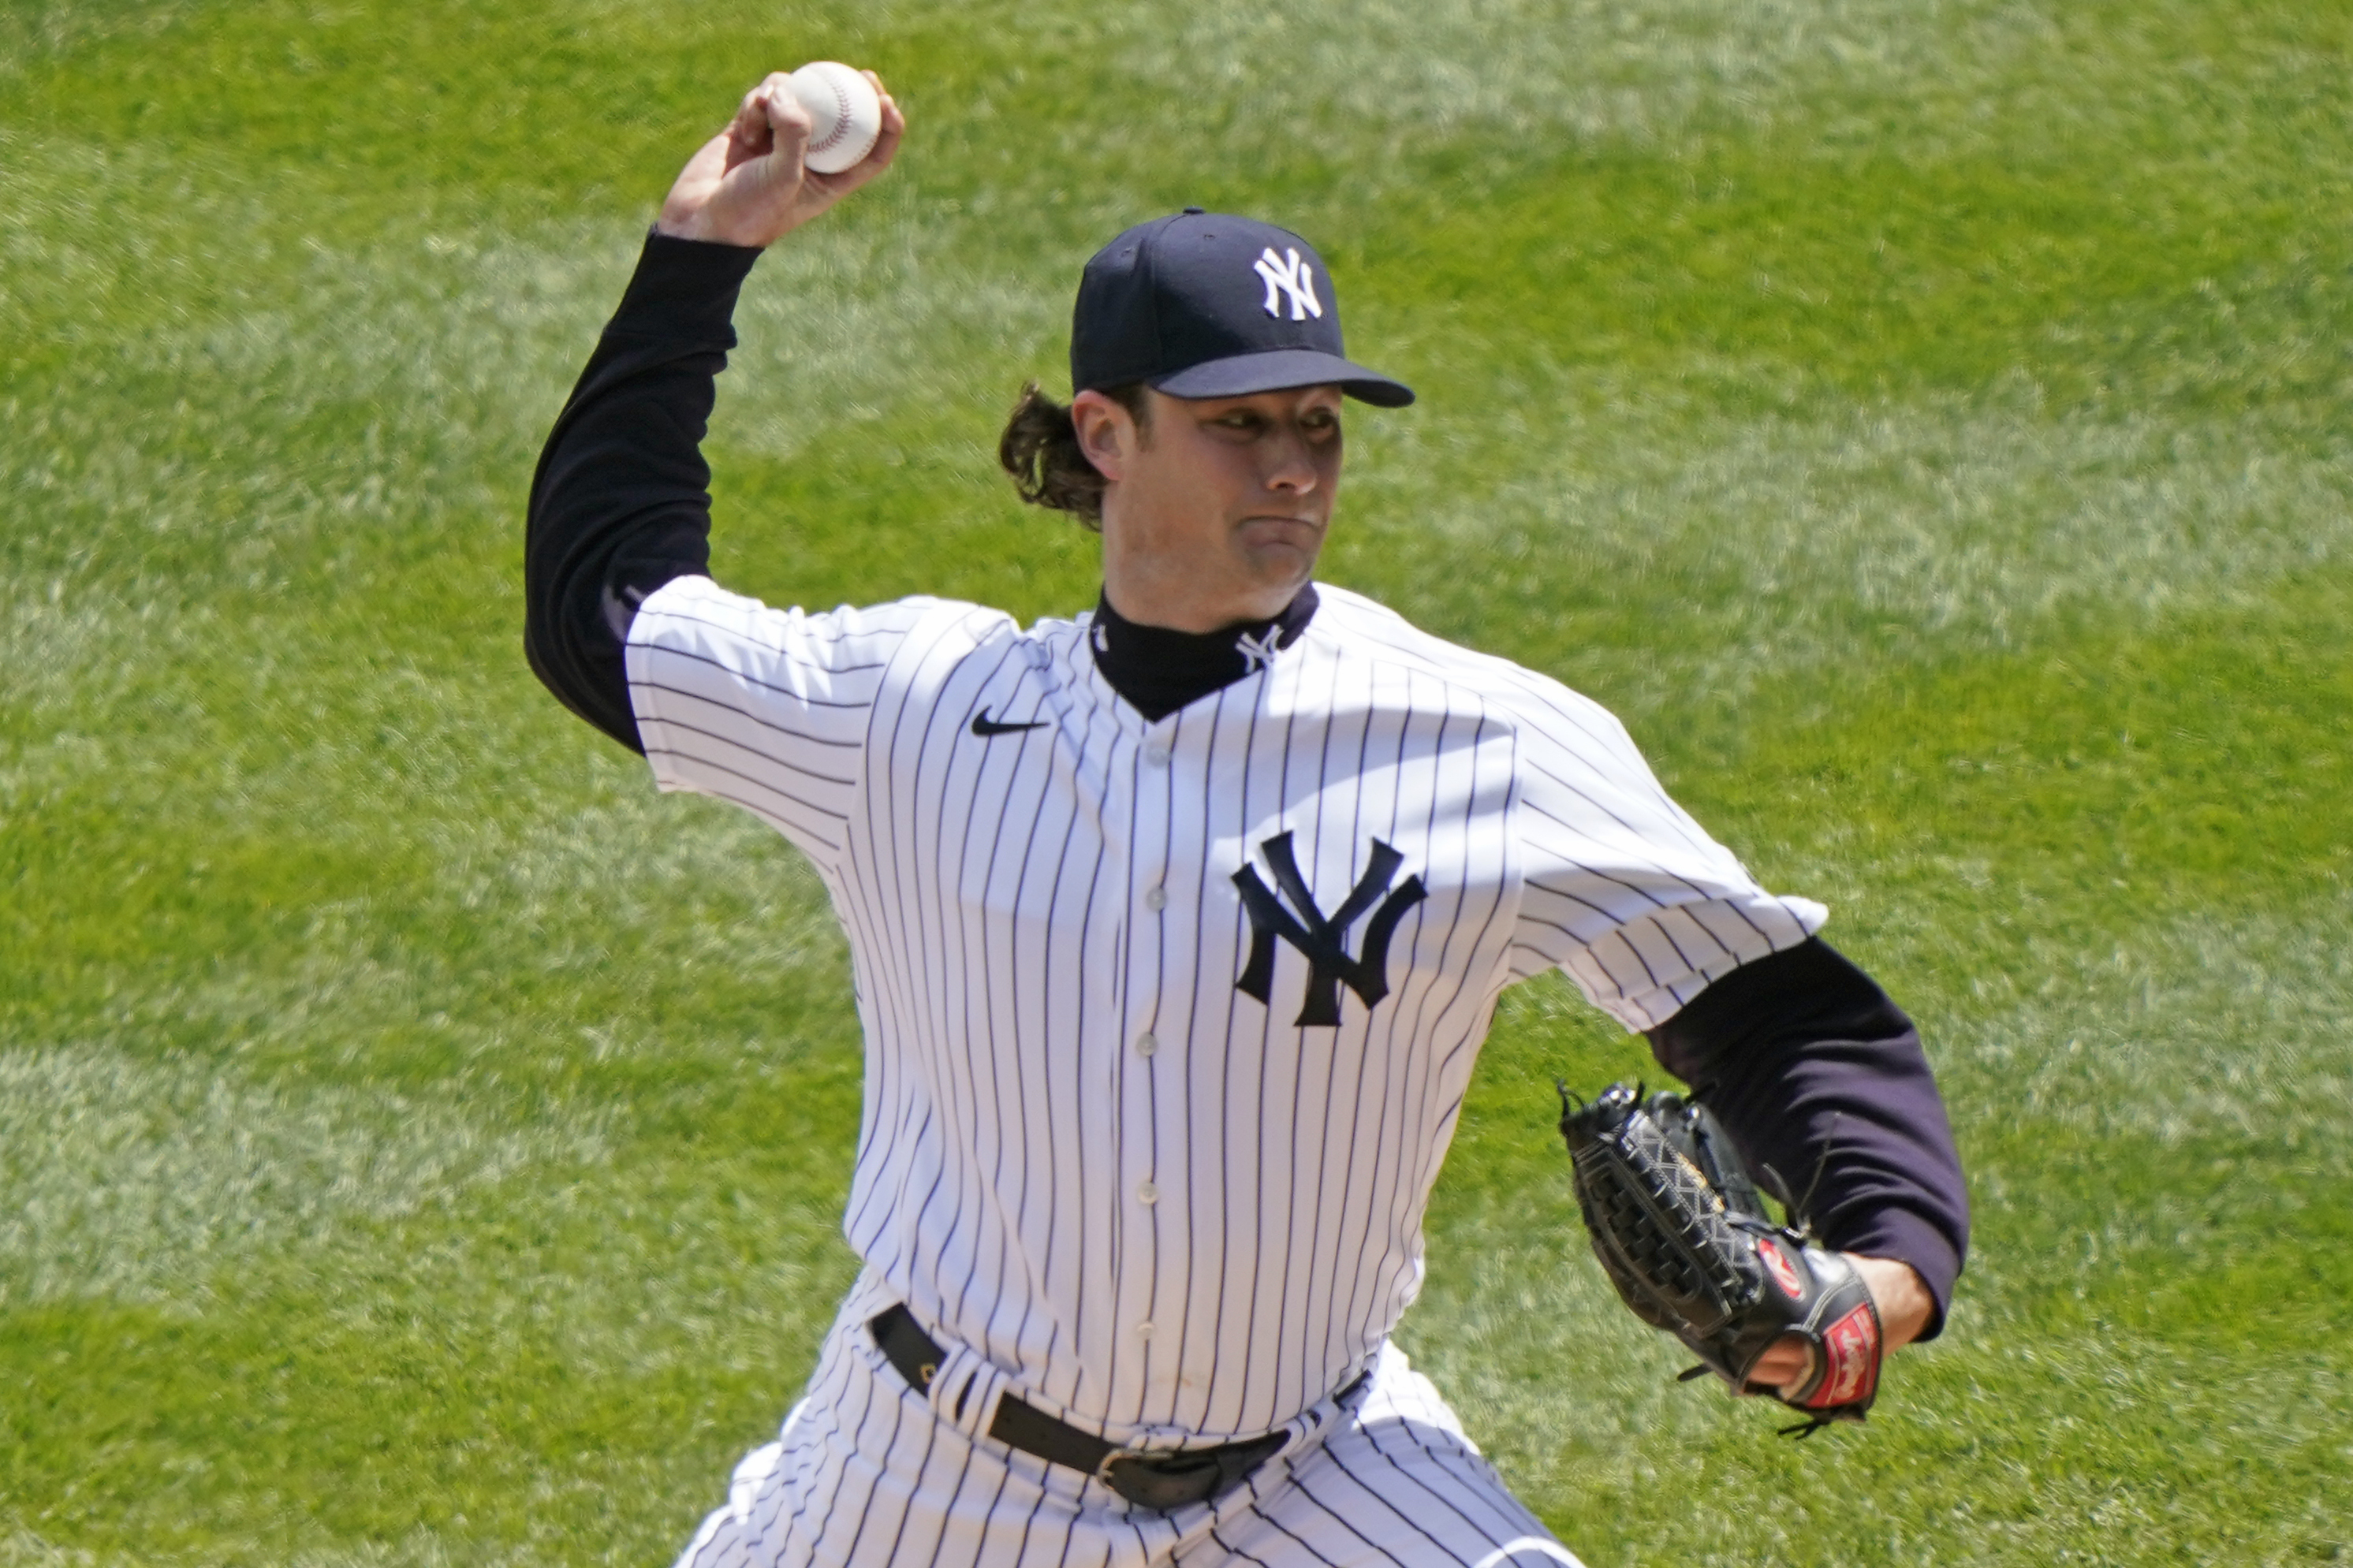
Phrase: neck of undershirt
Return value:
(1157, 670)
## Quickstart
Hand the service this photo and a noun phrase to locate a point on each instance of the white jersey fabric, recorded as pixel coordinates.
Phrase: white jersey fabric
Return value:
(1116, 1151)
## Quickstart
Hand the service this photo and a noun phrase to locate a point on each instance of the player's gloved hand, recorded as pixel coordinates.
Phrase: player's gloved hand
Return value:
(1680, 1228)
(1904, 1308)
(748, 186)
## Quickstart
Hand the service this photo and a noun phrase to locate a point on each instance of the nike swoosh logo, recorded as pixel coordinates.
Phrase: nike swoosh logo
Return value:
(984, 726)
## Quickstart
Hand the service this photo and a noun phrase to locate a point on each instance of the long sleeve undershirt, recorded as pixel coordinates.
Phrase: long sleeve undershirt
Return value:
(1813, 1070)
(621, 503)
(1818, 1076)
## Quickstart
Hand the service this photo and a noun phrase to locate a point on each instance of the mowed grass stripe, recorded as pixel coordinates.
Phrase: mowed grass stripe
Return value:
(143, 1182)
(470, 91)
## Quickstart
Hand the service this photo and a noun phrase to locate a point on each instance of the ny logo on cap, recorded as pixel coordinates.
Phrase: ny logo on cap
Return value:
(1288, 274)
(1324, 939)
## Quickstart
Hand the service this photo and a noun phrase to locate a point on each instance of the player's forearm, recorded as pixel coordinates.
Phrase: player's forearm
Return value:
(1815, 1072)
(621, 502)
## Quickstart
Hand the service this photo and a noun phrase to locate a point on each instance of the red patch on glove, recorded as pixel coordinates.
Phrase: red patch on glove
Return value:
(1852, 1345)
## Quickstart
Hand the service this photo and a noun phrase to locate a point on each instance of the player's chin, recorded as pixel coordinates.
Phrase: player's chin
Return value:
(1279, 570)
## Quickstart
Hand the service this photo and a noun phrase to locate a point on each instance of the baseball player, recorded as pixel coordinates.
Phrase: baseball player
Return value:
(1176, 927)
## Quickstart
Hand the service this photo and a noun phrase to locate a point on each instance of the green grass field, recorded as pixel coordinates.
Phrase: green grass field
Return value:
(1924, 420)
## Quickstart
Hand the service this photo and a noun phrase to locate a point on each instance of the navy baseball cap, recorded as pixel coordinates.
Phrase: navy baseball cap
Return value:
(1209, 305)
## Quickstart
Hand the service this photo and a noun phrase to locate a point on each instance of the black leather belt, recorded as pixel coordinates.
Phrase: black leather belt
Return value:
(1160, 1478)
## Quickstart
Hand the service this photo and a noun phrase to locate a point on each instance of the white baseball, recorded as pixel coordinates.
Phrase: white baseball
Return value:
(846, 112)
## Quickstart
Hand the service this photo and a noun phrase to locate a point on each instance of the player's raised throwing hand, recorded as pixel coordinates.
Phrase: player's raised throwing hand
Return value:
(748, 185)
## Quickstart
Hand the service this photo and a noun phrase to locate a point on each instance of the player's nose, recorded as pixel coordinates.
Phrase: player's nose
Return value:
(1289, 462)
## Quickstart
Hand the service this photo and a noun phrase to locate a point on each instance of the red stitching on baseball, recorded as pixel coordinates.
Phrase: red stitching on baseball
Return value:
(841, 118)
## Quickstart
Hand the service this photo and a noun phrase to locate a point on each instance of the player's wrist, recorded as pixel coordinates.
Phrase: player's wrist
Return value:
(699, 229)
(682, 226)
(1900, 1294)
(745, 212)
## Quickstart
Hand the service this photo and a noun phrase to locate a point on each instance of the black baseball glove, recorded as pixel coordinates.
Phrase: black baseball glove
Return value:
(1679, 1226)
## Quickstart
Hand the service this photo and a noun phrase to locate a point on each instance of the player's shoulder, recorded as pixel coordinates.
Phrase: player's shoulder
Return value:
(696, 608)
(1526, 700)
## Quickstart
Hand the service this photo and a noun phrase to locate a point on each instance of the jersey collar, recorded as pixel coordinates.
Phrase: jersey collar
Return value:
(1156, 671)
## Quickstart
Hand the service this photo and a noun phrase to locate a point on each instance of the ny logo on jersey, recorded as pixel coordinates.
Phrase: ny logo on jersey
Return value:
(1324, 939)
(1258, 651)
(1287, 274)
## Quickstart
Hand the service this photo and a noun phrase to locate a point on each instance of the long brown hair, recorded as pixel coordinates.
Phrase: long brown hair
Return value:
(1041, 449)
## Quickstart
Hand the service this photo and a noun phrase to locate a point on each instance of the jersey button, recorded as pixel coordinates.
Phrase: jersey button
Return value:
(1145, 1044)
(1156, 900)
(1157, 754)
(1148, 1194)
(1144, 1331)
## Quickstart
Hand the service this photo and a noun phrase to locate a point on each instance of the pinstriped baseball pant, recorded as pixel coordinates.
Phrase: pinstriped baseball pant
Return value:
(867, 1472)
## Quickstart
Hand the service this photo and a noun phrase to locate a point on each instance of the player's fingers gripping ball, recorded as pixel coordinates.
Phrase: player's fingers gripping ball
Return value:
(845, 115)
(1679, 1227)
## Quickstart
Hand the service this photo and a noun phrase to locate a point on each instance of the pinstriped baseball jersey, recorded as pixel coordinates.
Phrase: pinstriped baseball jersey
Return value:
(1168, 1024)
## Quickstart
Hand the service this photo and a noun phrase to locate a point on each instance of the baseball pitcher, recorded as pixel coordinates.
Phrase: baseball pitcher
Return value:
(1177, 925)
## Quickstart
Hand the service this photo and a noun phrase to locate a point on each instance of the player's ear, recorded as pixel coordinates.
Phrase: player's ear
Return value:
(1106, 433)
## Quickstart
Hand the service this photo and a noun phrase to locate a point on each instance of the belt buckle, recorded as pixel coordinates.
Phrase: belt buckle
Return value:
(1163, 1479)
(1103, 1471)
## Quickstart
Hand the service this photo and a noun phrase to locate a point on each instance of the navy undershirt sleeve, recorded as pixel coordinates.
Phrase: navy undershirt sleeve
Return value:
(1817, 1073)
(621, 503)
